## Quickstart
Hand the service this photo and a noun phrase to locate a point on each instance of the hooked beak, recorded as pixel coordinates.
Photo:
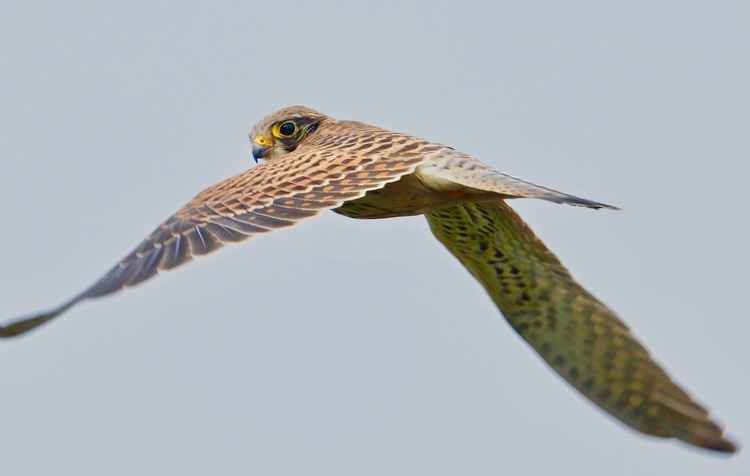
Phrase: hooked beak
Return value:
(259, 152)
(261, 146)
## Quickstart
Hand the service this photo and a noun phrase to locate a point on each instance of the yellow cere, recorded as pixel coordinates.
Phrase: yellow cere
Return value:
(263, 141)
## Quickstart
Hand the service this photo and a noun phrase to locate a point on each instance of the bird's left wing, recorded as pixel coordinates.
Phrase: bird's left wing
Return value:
(577, 335)
(321, 175)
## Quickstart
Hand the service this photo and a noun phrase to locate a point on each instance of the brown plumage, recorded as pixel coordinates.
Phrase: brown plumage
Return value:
(314, 162)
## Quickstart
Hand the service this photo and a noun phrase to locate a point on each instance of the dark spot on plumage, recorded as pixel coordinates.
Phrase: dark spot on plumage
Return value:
(545, 348)
(636, 412)
(573, 373)
(380, 148)
(364, 146)
(552, 319)
(621, 403)
(486, 214)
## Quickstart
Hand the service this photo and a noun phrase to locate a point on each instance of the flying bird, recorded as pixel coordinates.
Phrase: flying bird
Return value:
(313, 162)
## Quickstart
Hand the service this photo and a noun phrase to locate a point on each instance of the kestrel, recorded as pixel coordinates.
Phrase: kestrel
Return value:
(313, 162)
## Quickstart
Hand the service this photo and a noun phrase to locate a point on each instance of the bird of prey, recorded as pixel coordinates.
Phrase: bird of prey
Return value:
(313, 162)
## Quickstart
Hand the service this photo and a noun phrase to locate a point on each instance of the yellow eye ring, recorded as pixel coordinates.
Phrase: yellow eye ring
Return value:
(285, 130)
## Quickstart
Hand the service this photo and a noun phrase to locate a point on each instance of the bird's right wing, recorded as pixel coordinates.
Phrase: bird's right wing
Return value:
(333, 169)
(459, 168)
(578, 336)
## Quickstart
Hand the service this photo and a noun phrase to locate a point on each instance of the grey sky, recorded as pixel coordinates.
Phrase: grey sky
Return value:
(347, 347)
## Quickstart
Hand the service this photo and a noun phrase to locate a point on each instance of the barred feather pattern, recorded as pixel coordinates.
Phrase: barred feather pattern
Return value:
(341, 162)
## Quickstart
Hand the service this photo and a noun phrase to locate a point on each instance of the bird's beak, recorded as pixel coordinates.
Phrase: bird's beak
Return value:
(261, 146)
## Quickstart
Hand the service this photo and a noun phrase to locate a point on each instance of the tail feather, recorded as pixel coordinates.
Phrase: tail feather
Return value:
(461, 169)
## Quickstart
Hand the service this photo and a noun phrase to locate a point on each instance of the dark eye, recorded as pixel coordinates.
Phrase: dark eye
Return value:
(287, 129)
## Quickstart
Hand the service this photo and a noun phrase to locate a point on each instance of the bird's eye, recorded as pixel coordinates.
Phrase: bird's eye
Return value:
(287, 129)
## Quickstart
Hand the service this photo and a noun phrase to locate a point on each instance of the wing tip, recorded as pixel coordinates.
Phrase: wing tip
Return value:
(695, 425)
(724, 445)
(718, 444)
(582, 202)
(21, 326)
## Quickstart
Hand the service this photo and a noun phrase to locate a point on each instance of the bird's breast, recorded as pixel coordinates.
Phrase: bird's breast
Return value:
(408, 196)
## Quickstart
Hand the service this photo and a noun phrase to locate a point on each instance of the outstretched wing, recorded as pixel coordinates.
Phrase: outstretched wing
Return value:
(336, 166)
(578, 336)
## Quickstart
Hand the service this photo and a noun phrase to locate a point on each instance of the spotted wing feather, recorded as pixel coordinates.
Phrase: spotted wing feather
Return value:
(341, 163)
(578, 336)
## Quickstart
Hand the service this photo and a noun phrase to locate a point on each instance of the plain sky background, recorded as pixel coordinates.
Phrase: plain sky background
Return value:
(345, 347)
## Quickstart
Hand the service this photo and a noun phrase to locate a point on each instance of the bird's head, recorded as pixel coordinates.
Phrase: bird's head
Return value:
(283, 131)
